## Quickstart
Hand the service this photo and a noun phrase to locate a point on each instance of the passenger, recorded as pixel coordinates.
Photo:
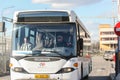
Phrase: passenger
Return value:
(69, 43)
(39, 42)
(26, 45)
(46, 42)
(51, 43)
(60, 41)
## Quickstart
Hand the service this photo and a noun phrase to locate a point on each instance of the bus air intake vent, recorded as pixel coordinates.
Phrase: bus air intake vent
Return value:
(42, 59)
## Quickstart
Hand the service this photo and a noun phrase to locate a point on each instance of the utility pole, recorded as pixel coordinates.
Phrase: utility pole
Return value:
(4, 39)
(118, 12)
(116, 29)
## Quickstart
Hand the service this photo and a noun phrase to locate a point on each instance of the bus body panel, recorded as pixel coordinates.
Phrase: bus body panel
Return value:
(42, 67)
(53, 74)
(76, 74)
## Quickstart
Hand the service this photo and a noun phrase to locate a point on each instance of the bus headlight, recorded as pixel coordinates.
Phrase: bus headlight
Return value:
(18, 69)
(66, 70)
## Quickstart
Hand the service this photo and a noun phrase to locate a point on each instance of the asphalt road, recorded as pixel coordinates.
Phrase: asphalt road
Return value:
(5, 78)
(101, 69)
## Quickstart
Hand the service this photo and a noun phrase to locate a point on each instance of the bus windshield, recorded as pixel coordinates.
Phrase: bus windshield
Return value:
(48, 39)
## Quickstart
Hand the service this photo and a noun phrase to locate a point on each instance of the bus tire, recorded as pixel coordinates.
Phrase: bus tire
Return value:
(86, 77)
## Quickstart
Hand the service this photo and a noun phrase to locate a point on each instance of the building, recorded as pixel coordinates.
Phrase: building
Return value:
(5, 45)
(108, 39)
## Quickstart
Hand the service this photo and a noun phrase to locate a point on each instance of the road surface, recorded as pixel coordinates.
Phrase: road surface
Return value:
(101, 69)
(5, 78)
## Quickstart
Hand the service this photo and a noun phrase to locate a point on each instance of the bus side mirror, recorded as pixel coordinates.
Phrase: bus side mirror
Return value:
(81, 43)
(80, 47)
(2, 26)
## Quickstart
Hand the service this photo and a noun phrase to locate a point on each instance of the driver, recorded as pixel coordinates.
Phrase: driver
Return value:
(26, 45)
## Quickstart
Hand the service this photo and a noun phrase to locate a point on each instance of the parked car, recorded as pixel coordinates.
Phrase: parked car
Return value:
(108, 55)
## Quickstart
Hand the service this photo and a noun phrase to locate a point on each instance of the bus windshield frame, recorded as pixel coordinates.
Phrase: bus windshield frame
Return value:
(50, 32)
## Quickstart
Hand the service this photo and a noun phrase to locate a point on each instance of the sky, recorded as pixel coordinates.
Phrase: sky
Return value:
(90, 12)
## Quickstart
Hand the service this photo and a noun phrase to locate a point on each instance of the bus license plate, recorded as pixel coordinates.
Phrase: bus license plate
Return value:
(41, 76)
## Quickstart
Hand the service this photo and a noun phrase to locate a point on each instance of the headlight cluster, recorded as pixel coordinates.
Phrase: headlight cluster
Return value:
(19, 69)
(66, 70)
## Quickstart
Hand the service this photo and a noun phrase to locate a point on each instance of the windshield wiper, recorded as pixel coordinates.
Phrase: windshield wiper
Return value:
(21, 57)
(27, 56)
(36, 52)
(56, 52)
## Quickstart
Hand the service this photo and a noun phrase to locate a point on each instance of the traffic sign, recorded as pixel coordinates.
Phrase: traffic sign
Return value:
(117, 29)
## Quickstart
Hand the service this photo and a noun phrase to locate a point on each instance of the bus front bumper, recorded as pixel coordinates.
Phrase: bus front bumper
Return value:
(64, 76)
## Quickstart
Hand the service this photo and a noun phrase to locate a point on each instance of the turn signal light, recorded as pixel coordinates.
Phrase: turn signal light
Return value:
(75, 64)
(10, 65)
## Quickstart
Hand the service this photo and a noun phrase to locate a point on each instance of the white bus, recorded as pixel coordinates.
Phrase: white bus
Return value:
(46, 45)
